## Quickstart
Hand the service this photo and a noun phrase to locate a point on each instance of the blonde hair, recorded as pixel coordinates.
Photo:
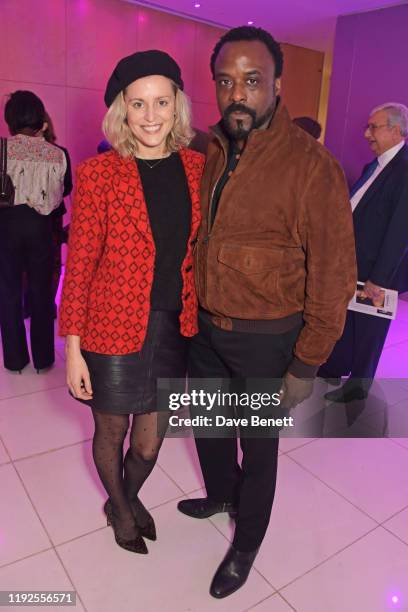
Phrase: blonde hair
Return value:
(122, 139)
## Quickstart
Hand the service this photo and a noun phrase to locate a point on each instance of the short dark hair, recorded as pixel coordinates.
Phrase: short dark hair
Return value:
(309, 125)
(49, 132)
(23, 110)
(250, 33)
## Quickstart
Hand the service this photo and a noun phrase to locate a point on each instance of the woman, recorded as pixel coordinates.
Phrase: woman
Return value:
(58, 214)
(37, 170)
(56, 217)
(128, 299)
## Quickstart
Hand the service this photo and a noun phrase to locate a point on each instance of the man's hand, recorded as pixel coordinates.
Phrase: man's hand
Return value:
(375, 293)
(371, 290)
(295, 390)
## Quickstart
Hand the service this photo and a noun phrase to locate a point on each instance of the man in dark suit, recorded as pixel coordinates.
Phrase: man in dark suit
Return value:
(379, 200)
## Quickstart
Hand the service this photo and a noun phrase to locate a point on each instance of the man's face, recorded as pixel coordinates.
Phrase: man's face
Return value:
(379, 134)
(246, 87)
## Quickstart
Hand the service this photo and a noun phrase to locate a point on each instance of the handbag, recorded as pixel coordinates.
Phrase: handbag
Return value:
(7, 190)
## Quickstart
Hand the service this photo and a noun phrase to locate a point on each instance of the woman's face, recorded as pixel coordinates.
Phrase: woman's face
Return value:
(150, 108)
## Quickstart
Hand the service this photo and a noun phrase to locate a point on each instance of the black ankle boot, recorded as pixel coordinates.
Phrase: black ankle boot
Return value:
(135, 545)
(232, 573)
(148, 530)
(203, 507)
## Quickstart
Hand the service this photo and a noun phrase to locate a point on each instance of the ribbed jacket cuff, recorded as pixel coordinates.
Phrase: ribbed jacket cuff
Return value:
(302, 370)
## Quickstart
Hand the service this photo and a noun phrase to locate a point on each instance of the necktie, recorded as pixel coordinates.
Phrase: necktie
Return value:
(364, 177)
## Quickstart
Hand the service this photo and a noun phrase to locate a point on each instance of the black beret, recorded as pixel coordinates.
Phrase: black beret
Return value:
(139, 65)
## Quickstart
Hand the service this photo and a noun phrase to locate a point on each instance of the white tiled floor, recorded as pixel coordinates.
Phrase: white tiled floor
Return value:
(363, 577)
(4, 458)
(366, 472)
(42, 571)
(337, 542)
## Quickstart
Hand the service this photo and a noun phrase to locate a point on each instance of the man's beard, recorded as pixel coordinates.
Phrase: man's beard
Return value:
(239, 132)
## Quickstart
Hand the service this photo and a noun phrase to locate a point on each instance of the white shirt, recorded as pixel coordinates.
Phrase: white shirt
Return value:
(383, 160)
(37, 170)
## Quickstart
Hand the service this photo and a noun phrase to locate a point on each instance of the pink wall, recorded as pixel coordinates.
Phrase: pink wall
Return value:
(369, 68)
(65, 52)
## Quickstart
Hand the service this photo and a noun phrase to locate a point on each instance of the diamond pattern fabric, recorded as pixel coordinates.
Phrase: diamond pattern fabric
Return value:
(111, 252)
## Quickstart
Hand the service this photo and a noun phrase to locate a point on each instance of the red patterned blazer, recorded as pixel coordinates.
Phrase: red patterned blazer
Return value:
(109, 271)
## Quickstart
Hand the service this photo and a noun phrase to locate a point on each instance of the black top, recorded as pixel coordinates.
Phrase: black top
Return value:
(168, 203)
(234, 155)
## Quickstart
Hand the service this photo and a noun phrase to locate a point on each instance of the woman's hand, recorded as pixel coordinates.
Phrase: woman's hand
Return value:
(78, 379)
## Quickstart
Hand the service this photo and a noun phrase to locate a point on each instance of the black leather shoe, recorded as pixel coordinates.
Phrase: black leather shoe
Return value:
(203, 507)
(346, 394)
(232, 573)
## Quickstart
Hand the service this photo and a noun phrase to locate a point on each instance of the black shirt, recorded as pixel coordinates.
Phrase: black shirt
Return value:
(234, 155)
(168, 203)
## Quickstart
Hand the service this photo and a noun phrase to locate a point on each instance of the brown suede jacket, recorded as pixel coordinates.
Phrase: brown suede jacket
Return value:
(282, 242)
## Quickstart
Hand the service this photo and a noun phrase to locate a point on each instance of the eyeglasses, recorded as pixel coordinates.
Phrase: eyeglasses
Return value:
(372, 127)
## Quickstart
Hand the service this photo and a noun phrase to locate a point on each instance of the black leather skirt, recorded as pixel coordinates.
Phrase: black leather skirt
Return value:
(127, 384)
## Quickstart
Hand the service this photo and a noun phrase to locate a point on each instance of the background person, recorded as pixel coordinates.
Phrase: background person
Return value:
(37, 170)
(58, 235)
(379, 200)
(57, 215)
(309, 125)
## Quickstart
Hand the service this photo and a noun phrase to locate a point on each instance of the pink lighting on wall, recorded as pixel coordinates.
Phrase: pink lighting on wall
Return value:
(395, 600)
(83, 7)
(352, 95)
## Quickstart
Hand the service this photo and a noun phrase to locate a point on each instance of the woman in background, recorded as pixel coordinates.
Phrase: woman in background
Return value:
(37, 171)
(58, 236)
(128, 302)
(59, 212)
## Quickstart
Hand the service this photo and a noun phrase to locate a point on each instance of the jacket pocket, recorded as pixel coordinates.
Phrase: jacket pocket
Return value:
(248, 281)
(249, 259)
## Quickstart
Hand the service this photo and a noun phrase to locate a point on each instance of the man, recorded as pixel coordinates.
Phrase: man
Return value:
(379, 201)
(275, 269)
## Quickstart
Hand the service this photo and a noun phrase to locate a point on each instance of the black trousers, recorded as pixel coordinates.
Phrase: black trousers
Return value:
(359, 349)
(26, 245)
(57, 239)
(216, 353)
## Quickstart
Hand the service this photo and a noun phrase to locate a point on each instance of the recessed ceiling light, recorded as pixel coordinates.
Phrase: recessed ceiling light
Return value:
(250, 23)
(197, 5)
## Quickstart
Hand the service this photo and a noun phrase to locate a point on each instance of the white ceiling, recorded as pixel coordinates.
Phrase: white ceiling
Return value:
(308, 23)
